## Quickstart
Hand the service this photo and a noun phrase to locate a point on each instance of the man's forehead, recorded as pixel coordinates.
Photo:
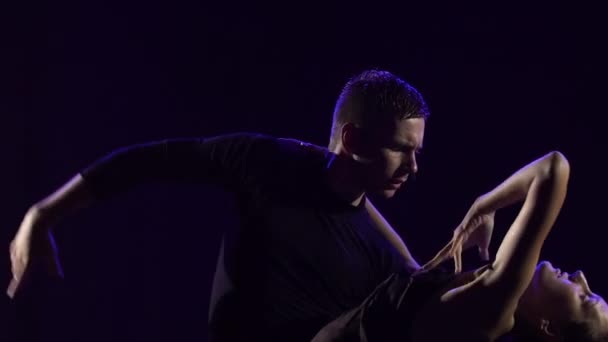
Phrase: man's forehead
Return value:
(409, 131)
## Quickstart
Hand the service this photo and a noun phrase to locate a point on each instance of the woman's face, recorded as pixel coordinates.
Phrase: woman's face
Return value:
(562, 297)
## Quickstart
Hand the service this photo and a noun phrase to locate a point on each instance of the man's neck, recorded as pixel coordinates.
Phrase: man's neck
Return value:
(343, 179)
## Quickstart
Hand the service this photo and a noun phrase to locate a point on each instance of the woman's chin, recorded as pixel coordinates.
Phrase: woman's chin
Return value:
(539, 278)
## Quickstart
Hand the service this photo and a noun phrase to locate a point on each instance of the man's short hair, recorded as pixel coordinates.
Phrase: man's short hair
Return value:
(373, 96)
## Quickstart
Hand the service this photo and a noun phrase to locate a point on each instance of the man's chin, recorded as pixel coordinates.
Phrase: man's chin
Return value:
(383, 191)
(387, 193)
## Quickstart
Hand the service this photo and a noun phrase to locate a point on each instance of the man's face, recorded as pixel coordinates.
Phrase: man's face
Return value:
(392, 148)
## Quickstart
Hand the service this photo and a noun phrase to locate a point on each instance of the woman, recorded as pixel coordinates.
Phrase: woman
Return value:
(513, 293)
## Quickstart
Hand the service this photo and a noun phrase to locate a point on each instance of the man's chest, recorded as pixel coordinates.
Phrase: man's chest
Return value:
(342, 248)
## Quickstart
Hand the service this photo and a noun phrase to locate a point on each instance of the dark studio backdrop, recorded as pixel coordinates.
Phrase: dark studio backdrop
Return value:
(505, 84)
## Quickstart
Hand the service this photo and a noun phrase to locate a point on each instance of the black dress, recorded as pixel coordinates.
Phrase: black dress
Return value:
(388, 313)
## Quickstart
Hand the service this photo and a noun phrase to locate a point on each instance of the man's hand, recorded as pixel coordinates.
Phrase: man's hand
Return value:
(33, 243)
(475, 230)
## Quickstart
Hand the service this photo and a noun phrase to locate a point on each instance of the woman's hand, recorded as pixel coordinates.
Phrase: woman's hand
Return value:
(33, 243)
(475, 230)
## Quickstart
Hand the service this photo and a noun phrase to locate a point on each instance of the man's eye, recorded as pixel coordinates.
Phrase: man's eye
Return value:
(404, 149)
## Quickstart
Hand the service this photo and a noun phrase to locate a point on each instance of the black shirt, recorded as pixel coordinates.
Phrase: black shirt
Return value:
(301, 256)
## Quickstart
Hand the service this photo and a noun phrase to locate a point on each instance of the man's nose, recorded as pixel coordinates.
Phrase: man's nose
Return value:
(410, 164)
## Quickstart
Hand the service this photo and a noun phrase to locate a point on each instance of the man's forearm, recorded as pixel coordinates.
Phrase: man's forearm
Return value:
(391, 235)
(399, 244)
(69, 198)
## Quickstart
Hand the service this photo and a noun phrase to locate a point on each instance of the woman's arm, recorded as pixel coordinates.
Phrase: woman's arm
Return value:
(491, 299)
(543, 186)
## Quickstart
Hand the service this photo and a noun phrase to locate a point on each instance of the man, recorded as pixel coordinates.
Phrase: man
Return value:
(310, 244)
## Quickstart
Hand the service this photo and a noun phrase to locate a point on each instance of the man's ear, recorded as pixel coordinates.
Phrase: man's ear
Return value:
(352, 141)
(351, 137)
(548, 328)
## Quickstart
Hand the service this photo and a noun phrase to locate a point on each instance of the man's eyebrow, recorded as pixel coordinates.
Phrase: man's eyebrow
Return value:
(412, 146)
(406, 143)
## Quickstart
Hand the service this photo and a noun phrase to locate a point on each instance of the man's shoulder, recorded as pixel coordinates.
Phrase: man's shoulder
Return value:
(285, 145)
(259, 136)
(301, 146)
(275, 154)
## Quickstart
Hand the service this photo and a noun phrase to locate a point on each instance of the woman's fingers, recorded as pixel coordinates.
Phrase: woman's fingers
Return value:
(453, 249)
(456, 251)
(458, 256)
(443, 254)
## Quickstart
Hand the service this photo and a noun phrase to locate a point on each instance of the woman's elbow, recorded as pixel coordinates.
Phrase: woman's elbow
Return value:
(558, 166)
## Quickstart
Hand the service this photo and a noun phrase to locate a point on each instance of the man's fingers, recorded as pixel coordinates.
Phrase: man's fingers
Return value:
(12, 288)
(16, 282)
(51, 257)
(54, 267)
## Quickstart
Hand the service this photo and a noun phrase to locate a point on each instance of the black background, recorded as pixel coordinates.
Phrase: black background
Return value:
(505, 82)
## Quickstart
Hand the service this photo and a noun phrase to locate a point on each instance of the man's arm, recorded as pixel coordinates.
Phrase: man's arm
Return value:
(72, 196)
(33, 233)
(229, 161)
(218, 160)
(391, 235)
